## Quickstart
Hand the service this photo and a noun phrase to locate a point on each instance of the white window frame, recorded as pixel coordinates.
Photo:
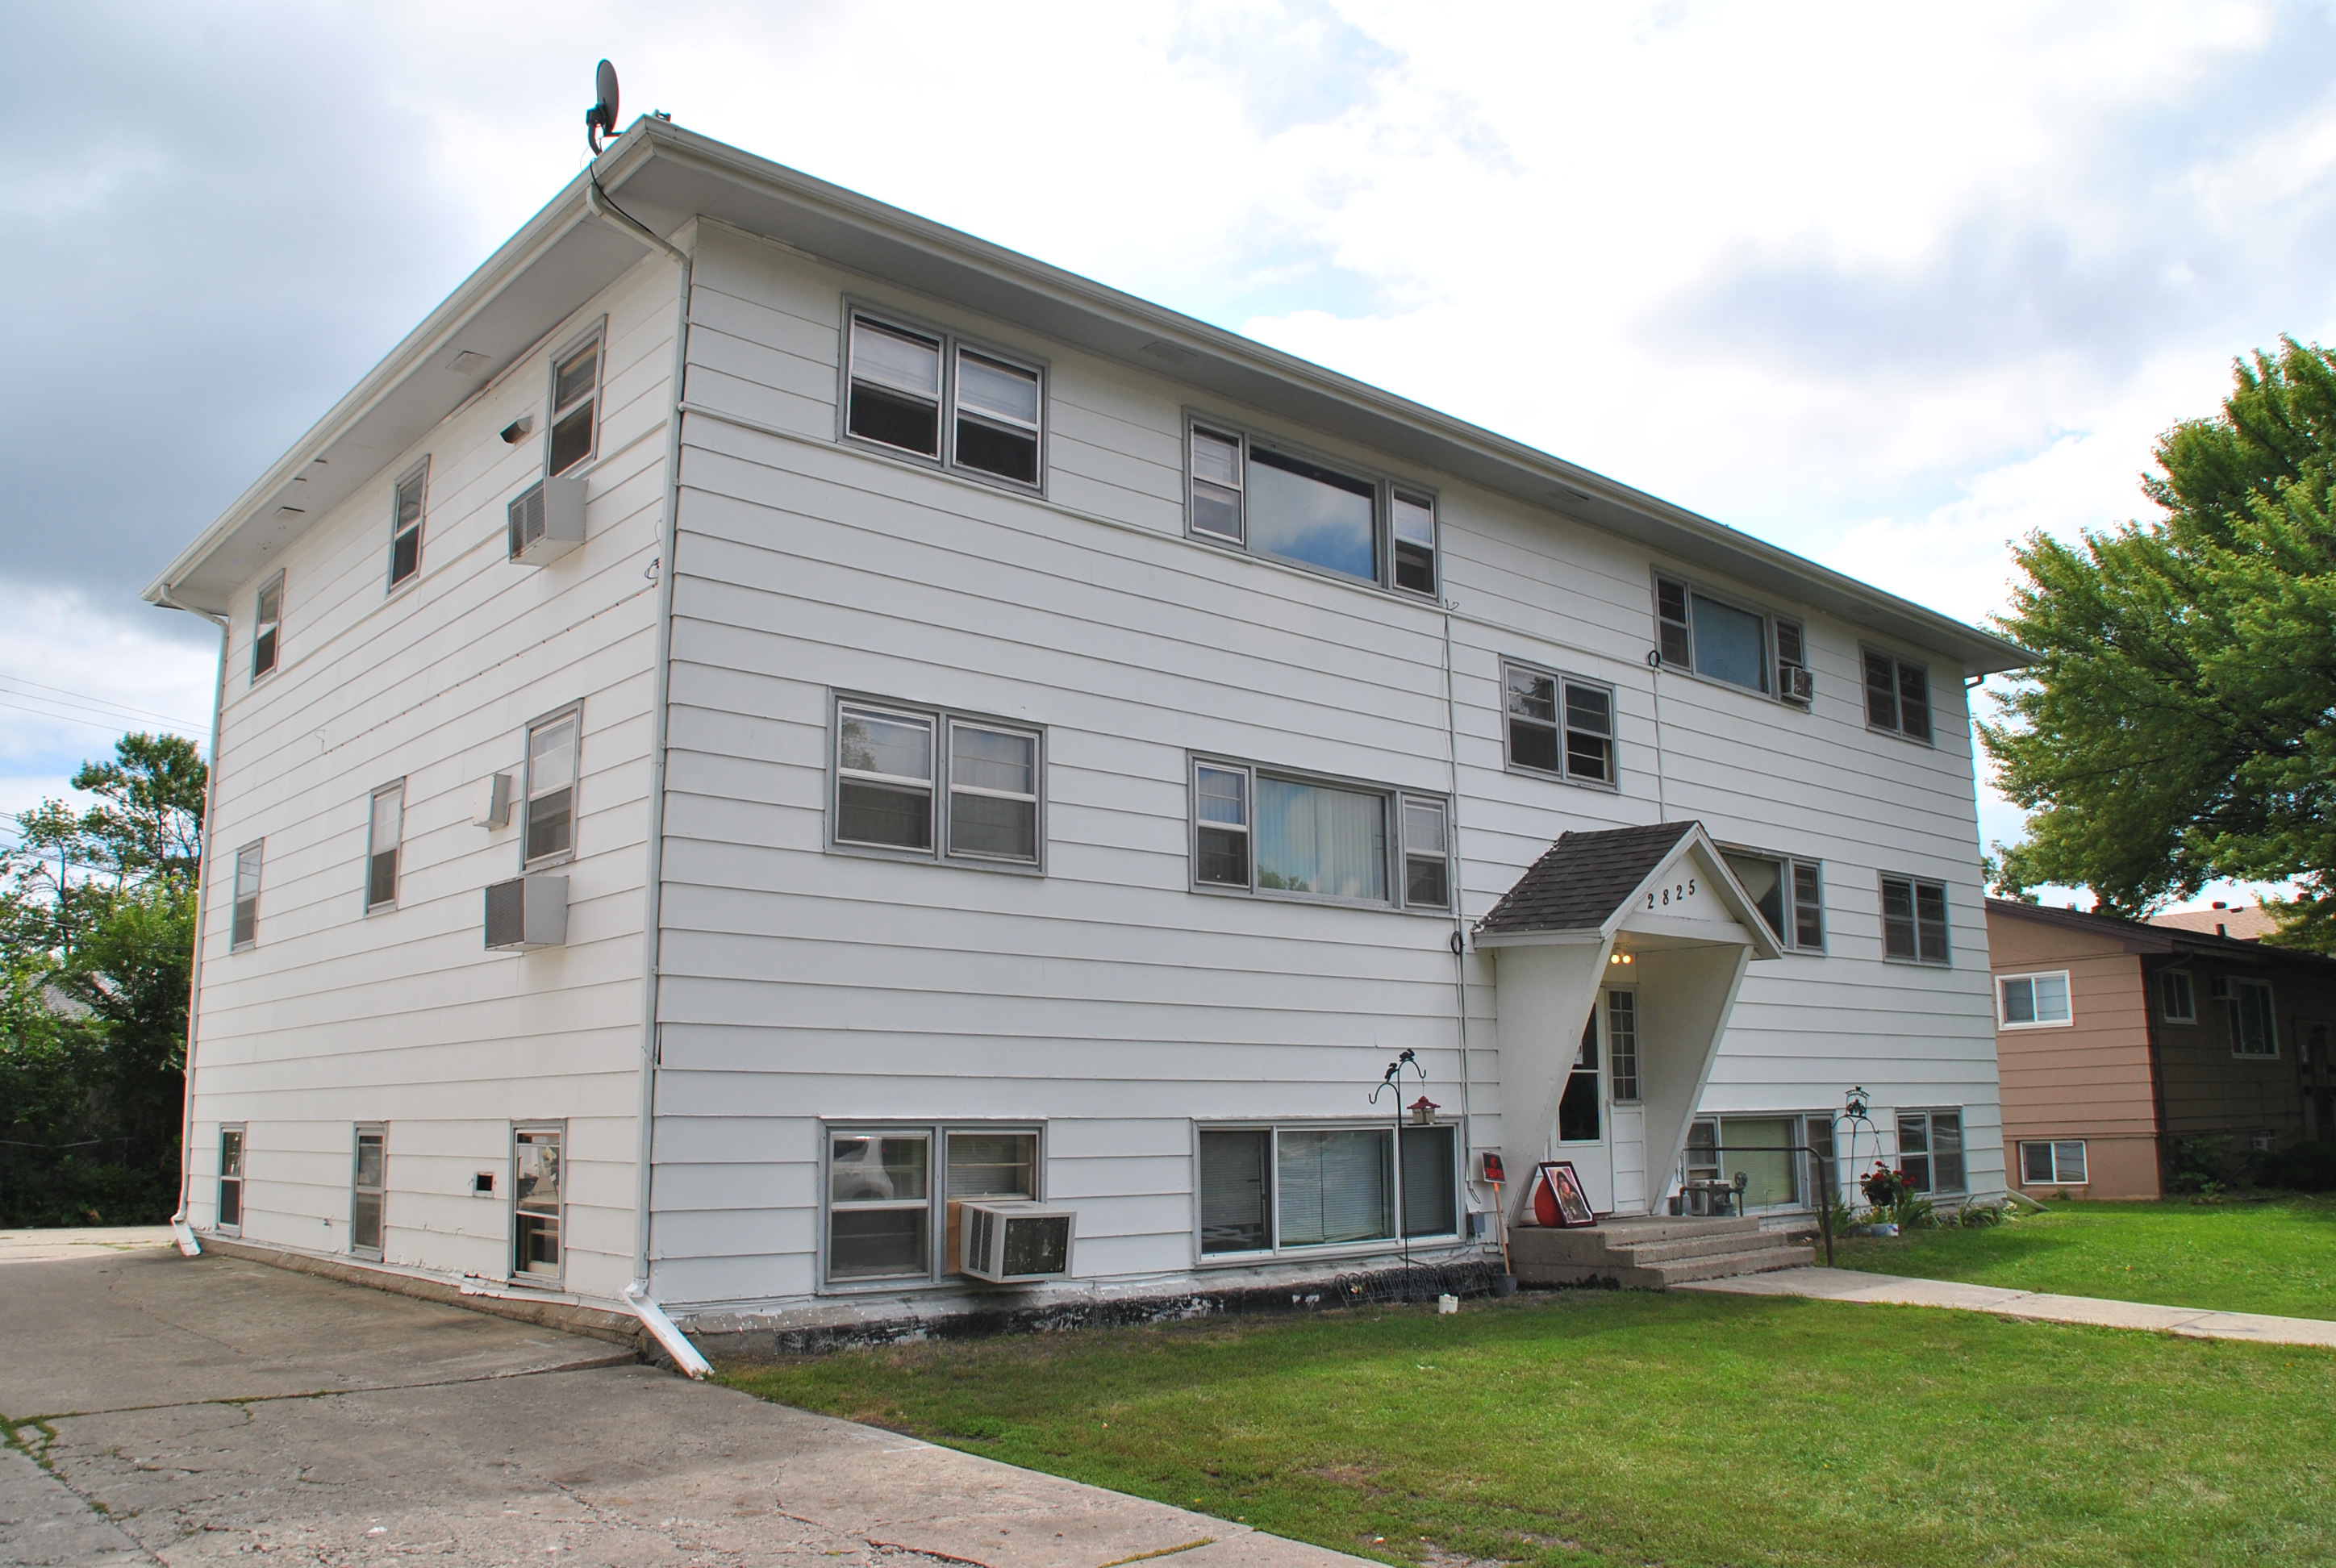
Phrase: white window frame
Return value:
(1929, 1114)
(241, 1176)
(418, 478)
(1914, 887)
(267, 630)
(358, 1190)
(940, 1268)
(2003, 984)
(1789, 870)
(524, 807)
(374, 852)
(1561, 724)
(2054, 1149)
(940, 789)
(2239, 987)
(595, 336)
(1773, 638)
(1616, 1078)
(1398, 852)
(1899, 664)
(243, 918)
(1273, 1130)
(951, 346)
(1386, 491)
(2166, 987)
(519, 1275)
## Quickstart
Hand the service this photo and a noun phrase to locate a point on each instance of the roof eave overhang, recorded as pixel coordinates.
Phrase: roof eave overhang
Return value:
(668, 176)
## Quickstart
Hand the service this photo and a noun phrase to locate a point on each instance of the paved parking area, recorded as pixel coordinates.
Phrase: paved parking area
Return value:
(193, 1412)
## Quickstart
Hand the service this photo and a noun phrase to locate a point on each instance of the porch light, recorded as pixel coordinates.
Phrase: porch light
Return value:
(1618, 957)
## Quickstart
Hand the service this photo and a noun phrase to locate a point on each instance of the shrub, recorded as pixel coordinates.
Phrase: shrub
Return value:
(2303, 1168)
(1912, 1214)
(2201, 1166)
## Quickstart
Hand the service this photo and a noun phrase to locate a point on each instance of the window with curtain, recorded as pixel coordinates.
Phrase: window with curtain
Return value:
(1257, 830)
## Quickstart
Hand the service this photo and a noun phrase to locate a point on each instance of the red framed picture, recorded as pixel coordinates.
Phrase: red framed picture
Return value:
(1558, 1200)
(1493, 1172)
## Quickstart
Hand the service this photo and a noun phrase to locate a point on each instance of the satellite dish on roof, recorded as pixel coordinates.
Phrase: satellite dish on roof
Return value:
(601, 120)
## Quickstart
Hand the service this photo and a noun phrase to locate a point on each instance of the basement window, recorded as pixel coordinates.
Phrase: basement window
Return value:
(539, 1210)
(893, 1192)
(1930, 1150)
(1303, 1187)
(901, 382)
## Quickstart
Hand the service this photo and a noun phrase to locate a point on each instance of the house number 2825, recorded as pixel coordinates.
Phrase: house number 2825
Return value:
(1677, 891)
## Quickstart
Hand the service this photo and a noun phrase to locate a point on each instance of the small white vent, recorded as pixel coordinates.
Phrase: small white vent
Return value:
(1011, 1243)
(526, 913)
(546, 520)
(1795, 684)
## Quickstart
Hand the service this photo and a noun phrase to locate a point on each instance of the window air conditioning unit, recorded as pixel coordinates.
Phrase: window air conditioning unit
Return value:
(1795, 684)
(1013, 1242)
(526, 913)
(547, 521)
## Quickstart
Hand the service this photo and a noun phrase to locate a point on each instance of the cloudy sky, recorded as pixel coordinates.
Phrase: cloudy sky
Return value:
(1889, 286)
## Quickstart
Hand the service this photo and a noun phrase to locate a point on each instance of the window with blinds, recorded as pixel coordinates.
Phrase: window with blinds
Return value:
(1275, 1189)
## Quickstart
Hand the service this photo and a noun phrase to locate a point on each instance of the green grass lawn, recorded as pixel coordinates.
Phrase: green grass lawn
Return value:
(2277, 1256)
(1597, 1428)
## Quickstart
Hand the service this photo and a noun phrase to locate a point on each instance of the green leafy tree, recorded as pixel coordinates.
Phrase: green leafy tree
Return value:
(2180, 725)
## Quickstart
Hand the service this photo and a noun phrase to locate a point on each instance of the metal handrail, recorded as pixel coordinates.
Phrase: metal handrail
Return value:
(1824, 1178)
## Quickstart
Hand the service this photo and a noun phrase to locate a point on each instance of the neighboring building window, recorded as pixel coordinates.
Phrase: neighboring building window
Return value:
(2057, 1163)
(1720, 640)
(268, 626)
(551, 815)
(366, 1188)
(2254, 1032)
(384, 833)
(1930, 1150)
(1914, 921)
(1276, 503)
(895, 394)
(1256, 830)
(2027, 1001)
(575, 405)
(230, 1179)
(1789, 894)
(1897, 695)
(245, 931)
(405, 526)
(1274, 1188)
(1560, 725)
(895, 767)
(2177, 1003)
(539, 1176)
(1622, 1043)
(888, 1203)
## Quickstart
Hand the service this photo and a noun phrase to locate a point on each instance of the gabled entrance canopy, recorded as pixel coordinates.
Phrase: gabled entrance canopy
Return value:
(1655, 907)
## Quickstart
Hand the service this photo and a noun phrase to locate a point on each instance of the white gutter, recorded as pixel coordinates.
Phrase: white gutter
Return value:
(676, 1344)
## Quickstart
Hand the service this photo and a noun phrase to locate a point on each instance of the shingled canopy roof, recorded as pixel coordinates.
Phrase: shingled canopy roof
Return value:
(1583, 878)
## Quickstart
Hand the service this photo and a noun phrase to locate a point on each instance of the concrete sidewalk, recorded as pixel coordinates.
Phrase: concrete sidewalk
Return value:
(1850, 1285)
(191, 1412)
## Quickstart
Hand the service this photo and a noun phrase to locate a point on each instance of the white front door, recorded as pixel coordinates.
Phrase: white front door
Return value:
(1585, 1117)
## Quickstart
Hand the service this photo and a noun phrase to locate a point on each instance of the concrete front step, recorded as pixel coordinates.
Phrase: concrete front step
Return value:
(1652, 1254)
(1662, 1276)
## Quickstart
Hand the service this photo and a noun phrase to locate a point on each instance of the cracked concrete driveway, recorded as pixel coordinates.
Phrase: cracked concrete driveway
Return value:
(191, 1412)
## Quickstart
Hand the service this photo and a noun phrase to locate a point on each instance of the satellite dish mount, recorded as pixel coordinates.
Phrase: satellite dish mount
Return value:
(601, 120)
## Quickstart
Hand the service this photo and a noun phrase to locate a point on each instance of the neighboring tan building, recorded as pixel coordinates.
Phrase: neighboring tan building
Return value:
(2246, 922)
(2114, 1040)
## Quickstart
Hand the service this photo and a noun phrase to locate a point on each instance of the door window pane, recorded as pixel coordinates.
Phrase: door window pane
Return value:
(1731, 644)
(1622, 1043)
(1304, 512)
(1579, 1117)
(1336, 1186)
(1236, 1192)
(1429, 1182)
(536, 1191)
(1316, 839)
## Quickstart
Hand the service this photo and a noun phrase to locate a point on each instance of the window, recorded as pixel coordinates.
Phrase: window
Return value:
(1759, 1148)
(245, 931)
(1789, 894)
(537, 1174)
(893, 765)
(1914, 921)
(230, 1179)
(384, 833)
(2028, 1001)
(887, 1204)
(551, 817)
(1794, 683)
(268, 626)
(1897, 695)
(1276, 503)
(575, 405)
(405, 526)
(1254, 830)
(2254, 1032)
(1726, 642)
(1930, 1150)
(2058, 1164)
(1622, 1044)
(895, 396)
(365, 1188)
(2177, 1003)
(1579, 1111)
(1270, 1189)
(1560, 725)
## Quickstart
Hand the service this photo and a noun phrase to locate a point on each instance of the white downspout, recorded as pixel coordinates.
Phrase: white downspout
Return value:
(183, 1232)
(676, 1344)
